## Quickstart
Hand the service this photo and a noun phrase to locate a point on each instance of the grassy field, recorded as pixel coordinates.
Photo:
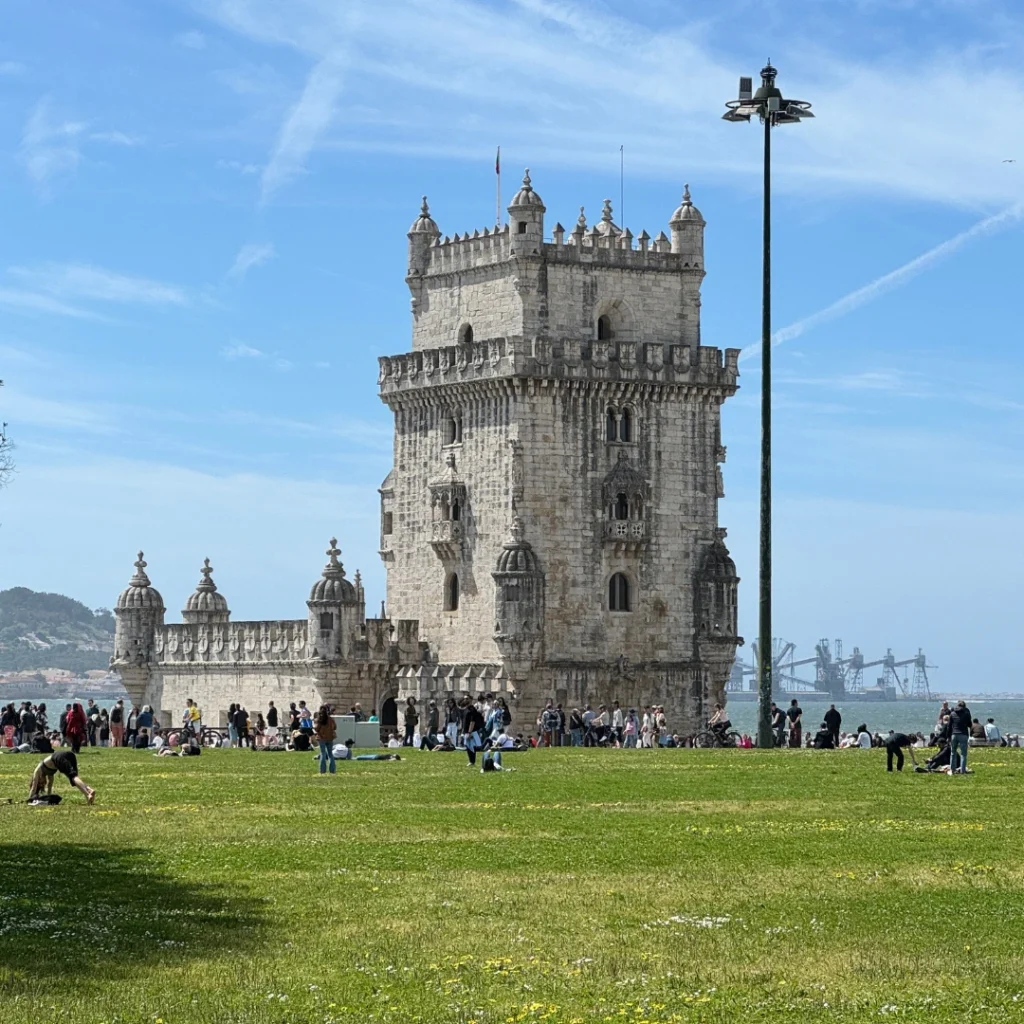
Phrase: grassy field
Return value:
(586, 885)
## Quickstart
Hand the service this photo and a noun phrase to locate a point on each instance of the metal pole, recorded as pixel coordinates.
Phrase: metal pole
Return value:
(764, 642)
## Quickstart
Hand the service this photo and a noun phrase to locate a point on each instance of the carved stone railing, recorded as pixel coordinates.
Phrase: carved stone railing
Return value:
(626, 534)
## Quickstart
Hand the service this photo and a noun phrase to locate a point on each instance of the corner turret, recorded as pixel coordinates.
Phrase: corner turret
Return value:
(526, 219)
(422, 235)
(687, 226)
(336, 612)
(518, 602)
(138, 614)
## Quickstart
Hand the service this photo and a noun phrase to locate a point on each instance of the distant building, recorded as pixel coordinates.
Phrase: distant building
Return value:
(550, 526)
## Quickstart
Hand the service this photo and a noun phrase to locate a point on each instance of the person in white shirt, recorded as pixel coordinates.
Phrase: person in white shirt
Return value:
(864, 739)
(343, 751)
(504, 741)
(992, 733)
(394, 741)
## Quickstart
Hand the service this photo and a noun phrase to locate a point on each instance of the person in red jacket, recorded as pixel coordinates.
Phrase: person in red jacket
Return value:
(76, 729)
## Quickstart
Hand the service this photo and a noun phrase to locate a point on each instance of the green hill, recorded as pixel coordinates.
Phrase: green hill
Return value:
(40, 630)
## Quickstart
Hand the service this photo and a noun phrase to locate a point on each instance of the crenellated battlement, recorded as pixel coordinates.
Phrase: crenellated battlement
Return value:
(232, 642)
(487, 248)
(567, 359)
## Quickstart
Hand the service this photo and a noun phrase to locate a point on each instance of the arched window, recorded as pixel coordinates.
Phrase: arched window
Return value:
(611, 428)
(446, 511)
(604, 328)
(638, 507)
(453, 429)
(451, 593)
(456, 511)
(618, 593)
(626, 425)
(621, 507)
(466, 334)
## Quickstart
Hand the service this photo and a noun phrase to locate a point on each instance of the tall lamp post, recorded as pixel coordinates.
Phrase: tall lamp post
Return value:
(772, 109)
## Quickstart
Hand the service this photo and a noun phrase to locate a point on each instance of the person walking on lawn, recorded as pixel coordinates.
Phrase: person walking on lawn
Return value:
(833, 719)
(326, 731)
(960, 729)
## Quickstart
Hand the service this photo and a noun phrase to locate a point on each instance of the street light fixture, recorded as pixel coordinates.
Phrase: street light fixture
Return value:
(769, 105)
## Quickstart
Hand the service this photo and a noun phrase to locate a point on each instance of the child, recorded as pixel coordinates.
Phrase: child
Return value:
(65, 762)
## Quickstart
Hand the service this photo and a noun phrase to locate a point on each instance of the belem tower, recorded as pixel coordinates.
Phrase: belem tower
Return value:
(549, 528)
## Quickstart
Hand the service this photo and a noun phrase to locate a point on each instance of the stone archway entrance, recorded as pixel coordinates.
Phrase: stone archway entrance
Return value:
(389, 715)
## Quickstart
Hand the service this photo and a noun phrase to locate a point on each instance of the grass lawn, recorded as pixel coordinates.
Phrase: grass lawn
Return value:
(586, 885)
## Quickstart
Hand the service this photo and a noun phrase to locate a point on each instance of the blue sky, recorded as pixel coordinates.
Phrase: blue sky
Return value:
(203, 248)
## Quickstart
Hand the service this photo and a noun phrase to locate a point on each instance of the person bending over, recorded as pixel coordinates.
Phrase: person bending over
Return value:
(894, 748)
(65, 762)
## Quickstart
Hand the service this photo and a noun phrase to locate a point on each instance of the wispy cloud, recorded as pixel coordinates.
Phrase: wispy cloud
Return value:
(50, 149)
(253, 254)
(84, 281)
(33, 302)
(237, 165)
(11, 67)
(305, 123)
(894, 279)
(193, 40)
(116, 138)
(241, 351)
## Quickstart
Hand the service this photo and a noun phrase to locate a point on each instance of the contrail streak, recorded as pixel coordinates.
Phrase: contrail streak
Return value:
(894, 279)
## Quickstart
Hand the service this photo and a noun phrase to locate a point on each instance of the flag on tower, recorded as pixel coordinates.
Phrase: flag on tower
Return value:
(497, 162)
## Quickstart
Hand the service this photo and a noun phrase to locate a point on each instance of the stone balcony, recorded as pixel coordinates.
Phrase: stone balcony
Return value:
(446, 538)
(625, 535)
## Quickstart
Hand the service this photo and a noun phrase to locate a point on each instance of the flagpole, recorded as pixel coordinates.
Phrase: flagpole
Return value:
(497, 201)
(622, 203)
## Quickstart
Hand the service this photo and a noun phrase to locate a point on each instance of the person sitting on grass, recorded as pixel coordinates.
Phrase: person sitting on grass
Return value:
(65, 762)
(393, 741)
(343, 751)
(823, 738)
(299, 741)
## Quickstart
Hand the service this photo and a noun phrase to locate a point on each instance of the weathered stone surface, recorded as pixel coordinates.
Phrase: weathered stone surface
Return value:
(550, 525)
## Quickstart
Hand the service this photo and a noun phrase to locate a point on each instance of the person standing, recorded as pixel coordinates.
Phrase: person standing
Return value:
(411, 720)
(960, 731)
(117, 723)
(795, 715)
(325, 731)
(472, 726)
(433, 718)
(575, 728)
(833, 719)
(631, 729)
(131, 726)
(778, 724)
(452, 718)
(618, 723)
(92, 721)
(894, 746)
(76, 728)
(242, 726)
(271, 723)
(559, 725)
(103, 728)
(548, 722)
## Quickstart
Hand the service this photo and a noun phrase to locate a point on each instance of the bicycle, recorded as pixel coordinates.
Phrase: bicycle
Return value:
(711, 738)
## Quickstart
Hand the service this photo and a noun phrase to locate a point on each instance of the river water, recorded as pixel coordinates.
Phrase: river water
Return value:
(881, 716)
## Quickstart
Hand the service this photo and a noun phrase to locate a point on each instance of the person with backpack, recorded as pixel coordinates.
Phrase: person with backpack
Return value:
(472, 727)
(325, 731)
(117, 723)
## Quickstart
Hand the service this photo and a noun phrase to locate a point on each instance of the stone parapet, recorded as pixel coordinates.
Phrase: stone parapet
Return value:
(568, 359)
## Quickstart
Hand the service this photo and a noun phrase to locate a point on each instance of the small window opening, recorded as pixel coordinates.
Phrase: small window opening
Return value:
(622, 507)
(456, 512)
(626, 425)
(638, 508)
(522, 227)
(511, 594)
(618, 593)
(389, 523)
(466, 334)
(446, 511)
(326, 622)
(611, 430)
(604, 328)
(451, 593)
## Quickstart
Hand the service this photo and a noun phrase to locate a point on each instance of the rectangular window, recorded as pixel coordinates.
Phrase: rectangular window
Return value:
(389, 522)
(522, 227)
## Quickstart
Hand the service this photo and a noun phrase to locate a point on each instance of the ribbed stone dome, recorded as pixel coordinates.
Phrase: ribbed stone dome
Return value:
(424, 223)
(516, 555)
(686, 212)
(206, 599)
(332, 586)
(718, 564)
(526, 196)
(139, 592)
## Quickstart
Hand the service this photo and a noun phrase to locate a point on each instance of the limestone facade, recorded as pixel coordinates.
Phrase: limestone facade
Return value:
(550, 524)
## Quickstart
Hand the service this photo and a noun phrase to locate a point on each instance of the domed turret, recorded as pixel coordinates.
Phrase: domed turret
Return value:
(140, 593)
(717, 589)
(518, 601)
(336, 611)
(526, 219)
(516, 554)
(687, 226)
(205, 603)
(332, 585)
(138, 613)
(422, 235)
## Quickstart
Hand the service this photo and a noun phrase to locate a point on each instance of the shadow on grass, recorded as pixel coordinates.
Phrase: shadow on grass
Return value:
(73, 910)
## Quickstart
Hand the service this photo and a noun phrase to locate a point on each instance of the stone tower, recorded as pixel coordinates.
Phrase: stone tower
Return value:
(552, 515)
(138, 614)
